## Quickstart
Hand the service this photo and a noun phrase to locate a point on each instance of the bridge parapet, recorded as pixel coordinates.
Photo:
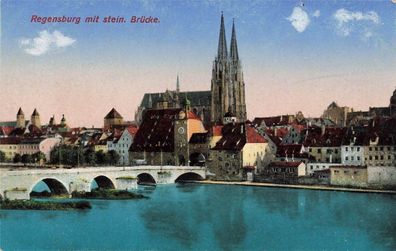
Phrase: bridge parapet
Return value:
(18, 183)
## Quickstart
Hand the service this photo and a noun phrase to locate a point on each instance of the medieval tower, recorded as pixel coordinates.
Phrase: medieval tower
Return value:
(35, 118)
(227, 87)
(20, 122)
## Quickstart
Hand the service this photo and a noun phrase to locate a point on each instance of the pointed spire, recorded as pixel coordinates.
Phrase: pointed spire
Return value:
(234, 47)
(222, 48)
(177, 84)
(35, 112)
(20, 112)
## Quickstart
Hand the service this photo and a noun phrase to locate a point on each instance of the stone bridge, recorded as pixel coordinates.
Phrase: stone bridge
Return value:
(18, 183)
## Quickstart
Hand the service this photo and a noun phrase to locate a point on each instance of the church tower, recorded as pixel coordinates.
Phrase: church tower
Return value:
(20, 122)
(35, 119)
(227, 85)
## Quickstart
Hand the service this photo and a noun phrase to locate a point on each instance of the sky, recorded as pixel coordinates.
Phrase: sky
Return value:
(296, 55)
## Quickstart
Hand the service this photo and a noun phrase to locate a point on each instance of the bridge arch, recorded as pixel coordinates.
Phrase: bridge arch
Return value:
(189, 176)
(55, 186)
(103, 181)
(146, 179)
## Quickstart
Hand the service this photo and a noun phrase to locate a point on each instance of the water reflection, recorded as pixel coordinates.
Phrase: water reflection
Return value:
(212, 217)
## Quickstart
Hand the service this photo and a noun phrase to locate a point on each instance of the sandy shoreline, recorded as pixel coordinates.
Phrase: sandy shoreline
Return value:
(315, 187)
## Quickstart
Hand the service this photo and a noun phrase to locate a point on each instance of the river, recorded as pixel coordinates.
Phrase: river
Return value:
(211, 217)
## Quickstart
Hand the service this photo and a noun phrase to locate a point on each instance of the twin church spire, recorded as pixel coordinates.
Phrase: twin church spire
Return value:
(222, 52)
(227, 87)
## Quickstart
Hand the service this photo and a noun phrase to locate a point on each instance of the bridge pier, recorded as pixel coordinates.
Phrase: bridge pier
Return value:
(126, 183)
(18, 183)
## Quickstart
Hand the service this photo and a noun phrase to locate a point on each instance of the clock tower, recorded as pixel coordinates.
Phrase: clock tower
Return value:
(181, 135)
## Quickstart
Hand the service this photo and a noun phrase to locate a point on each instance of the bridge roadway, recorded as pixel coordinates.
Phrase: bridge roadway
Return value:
(18, 183)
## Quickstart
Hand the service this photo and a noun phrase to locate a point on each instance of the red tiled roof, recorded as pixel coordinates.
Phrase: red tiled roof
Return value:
(285, 164)
(156, 132)
(216, 130)
(192, 115)
(132, 130)
(252, 136)
(6, 130)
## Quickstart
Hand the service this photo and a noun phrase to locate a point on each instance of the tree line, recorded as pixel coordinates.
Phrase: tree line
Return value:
(68, 155)
(76, 156)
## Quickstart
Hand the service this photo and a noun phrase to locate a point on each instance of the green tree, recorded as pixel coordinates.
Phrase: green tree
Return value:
(17, 158)
(113, 157)
(38, 156)
(2, 156)
(90, 156)
(26, 158)
(101, 157)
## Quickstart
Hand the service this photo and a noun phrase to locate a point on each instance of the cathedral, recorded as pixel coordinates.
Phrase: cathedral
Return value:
(226, 97)
(227, 87)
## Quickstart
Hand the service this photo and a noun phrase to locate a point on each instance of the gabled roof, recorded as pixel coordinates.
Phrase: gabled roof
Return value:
(113, 114)
(331, 137)
(197, 98)
(156, 133)
(382, 129)
(236, 135)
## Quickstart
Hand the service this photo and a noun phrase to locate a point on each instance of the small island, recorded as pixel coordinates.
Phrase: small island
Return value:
(43, 205)
(108, 194)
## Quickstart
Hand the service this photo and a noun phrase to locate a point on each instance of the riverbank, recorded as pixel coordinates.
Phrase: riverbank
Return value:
(108, 194)
(314, 187)
(43, 205)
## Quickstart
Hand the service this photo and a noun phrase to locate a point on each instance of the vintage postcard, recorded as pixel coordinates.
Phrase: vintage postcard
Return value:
(198, 125)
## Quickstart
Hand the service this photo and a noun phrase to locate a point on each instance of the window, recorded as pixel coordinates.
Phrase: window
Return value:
(376, 157)
(319, 150)
(358, 149)
(352, 158)
(346, 149)
(310, 150)
(336, 151)
(346, 158)
(358, 157)
(370, 157)
(346, 171)
(382, 157)
(370, 148)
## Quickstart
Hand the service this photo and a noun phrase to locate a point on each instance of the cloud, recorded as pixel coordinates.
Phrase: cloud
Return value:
(316, 13)
(299, 19)
(45, 42)
(345, 20)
